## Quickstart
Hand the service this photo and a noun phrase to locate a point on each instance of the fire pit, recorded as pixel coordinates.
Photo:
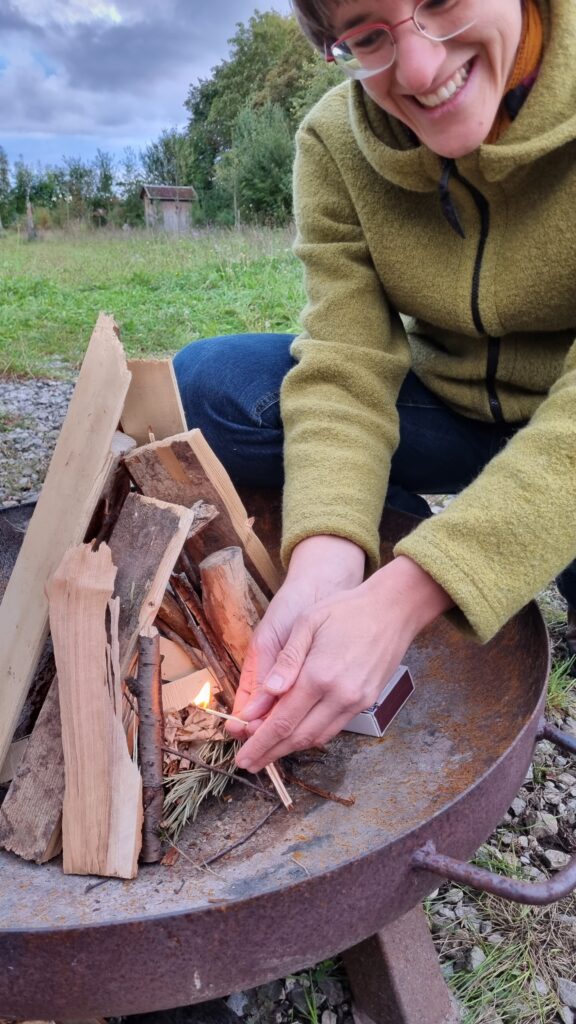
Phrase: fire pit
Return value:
(312, 883)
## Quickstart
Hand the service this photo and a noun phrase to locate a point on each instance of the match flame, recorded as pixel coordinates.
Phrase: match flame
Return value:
(202, 700)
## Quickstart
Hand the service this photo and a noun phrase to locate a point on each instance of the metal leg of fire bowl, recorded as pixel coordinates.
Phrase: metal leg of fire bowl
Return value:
(395, 976)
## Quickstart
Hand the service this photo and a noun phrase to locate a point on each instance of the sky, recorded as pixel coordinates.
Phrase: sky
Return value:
(78, 75)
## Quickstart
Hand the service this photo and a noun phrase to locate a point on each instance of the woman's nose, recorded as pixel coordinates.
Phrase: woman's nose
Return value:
(418, 61)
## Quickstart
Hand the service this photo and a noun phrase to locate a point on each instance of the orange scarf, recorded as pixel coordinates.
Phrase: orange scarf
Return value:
(527, 60)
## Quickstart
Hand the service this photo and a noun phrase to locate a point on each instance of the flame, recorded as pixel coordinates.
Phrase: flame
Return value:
(202, 700)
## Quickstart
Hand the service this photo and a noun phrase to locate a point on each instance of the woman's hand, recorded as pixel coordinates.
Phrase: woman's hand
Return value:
(319, 567)
(338, 656)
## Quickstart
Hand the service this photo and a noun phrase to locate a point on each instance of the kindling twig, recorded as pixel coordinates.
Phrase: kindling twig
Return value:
(240, 842)
(271, 769)
(199, 763)
(326, 794)
(226, 681)
(147, 688)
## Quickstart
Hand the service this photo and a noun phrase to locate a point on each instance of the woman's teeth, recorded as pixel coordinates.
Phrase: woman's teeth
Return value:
(446, 91)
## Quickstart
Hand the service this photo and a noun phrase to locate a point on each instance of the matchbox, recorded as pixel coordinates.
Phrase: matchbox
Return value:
(375, 720)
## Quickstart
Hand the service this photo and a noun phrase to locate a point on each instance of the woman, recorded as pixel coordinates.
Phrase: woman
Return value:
(438, 184)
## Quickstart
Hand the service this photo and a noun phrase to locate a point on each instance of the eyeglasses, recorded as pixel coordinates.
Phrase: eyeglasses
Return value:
(371, 49)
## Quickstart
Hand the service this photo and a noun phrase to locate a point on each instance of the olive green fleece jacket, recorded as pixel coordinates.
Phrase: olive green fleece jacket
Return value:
(492, 331)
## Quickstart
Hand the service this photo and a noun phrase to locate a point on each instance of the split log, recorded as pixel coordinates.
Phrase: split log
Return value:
(102, 814)
(115, 491)
(227, 602)
(145, 546)
(31, 815)
(153, 404)
(145, 543)
(78, 471)
(147, 688)
(184, 469)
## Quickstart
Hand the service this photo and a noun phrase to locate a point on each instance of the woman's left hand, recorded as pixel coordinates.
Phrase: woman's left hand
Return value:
(338, 657)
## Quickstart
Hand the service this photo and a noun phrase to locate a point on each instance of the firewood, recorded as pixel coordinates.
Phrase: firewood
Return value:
(102, 814)
(193, 654)
(147, 688)
(78, 471)
(115, 491)
(227, 602)
(184, 469)
(217, 658)
(31, 815)
(172, 617)
(146, 543)
(153, 404)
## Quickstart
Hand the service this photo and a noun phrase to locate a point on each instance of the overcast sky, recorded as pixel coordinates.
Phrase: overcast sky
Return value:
(76, 75)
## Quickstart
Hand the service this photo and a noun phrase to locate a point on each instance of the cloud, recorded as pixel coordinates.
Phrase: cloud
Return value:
(118, 68)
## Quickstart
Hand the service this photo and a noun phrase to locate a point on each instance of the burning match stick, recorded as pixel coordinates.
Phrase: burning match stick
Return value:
(271, 770)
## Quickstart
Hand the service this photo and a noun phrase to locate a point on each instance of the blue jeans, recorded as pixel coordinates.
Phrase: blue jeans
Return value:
(230, 388)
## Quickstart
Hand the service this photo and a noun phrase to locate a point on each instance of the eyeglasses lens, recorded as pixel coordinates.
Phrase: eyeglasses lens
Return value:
(369, 52)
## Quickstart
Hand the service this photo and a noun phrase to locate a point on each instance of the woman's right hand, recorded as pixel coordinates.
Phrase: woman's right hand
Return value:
(319, 567)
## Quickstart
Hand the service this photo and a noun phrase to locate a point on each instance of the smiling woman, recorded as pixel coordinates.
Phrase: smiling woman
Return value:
(435, 201)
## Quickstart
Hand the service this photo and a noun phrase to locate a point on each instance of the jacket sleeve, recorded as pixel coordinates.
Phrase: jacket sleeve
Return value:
(514, 528)
(339, 402)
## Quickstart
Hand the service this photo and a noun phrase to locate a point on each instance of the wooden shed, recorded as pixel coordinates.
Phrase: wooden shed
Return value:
(168, 207)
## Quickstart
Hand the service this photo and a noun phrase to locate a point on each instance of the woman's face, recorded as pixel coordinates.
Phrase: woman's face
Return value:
(478, 62)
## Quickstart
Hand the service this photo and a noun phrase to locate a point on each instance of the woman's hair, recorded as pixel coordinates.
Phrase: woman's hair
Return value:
(312, 16)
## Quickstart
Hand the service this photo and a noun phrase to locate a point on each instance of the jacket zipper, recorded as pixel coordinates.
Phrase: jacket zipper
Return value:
(493, 353)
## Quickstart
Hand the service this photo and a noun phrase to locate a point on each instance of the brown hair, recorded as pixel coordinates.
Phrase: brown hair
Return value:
(312, 16)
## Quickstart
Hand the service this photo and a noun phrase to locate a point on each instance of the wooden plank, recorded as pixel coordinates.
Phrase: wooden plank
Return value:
(30, 817)
(78, 471)
(145, 543)
(184, 469)
(102, 813)
(153, 404)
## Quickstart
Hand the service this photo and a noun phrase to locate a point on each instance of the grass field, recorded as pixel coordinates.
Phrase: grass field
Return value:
(163, 292)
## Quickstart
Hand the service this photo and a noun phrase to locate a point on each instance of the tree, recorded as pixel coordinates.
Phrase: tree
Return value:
(104, 175)
(168, 160)
(258, 168)
(5, 190)
(130, 181)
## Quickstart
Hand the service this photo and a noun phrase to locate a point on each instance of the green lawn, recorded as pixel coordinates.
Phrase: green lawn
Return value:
(163, 292)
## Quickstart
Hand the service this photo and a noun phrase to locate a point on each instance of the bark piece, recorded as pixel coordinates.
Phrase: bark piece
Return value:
(78, 471)
(13, 758)
(102, 814)
(153, 404)
(184, 469)
(227, 601)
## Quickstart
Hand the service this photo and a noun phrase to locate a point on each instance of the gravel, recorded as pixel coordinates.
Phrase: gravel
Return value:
(31, 414)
